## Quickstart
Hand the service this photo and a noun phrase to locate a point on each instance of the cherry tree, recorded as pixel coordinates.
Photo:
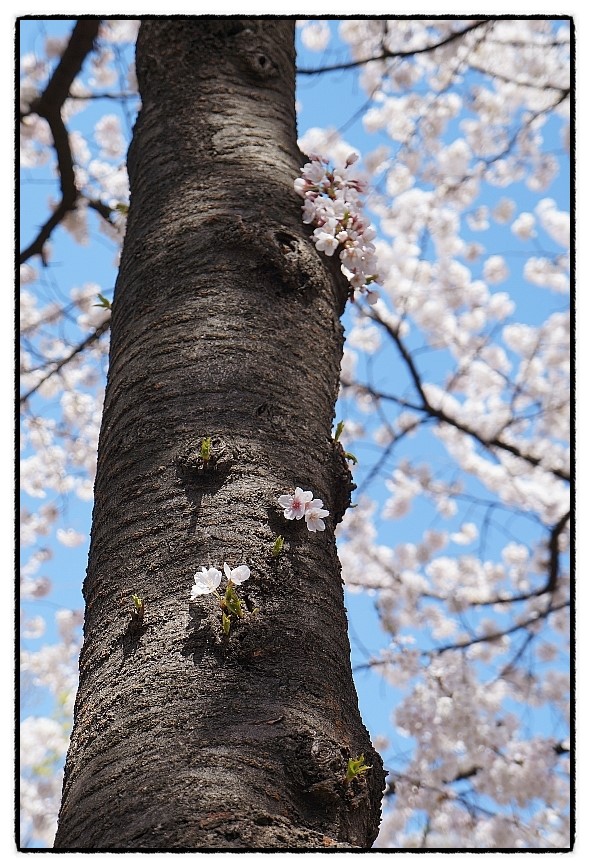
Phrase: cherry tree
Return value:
(451, 234)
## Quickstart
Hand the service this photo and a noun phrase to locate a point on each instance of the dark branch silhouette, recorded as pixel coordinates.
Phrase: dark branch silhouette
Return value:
(48, 106)
(492, 637)
(57, 366)
(386, 55)
(556, 531)
(475, 640)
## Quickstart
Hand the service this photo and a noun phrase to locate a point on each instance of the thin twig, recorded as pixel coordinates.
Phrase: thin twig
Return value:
(57, 366)
(386, 55)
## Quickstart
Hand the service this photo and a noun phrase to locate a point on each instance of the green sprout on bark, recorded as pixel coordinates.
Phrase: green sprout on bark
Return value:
(356, 767)
(103, 302)
(278, 546)
(138, 608)
(337, 433)
(230, 605)
(205, 451)
(208, 579)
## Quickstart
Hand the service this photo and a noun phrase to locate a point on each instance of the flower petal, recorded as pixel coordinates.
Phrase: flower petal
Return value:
(240, 574)
(199, 590)
(206, 580)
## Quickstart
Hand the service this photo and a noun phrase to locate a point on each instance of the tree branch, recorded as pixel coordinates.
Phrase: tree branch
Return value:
(491, 637)
(506, 78)
(476, 640)
(386, 55)
(554, 553)
(105, 95)
(435, 413)
(57, 366)
(101, 208)
(48, 106)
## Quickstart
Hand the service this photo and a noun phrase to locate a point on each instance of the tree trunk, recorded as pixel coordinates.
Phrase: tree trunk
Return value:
(225, 324)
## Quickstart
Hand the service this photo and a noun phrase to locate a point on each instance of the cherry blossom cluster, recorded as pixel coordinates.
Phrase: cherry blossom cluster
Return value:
(302, 504)
(333, 205)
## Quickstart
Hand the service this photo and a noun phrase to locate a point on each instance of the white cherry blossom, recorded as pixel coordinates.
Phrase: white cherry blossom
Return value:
(207, 580)
(238, 575)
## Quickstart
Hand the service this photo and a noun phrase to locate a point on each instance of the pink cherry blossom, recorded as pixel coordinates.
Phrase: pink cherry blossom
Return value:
(314, 515)
(333, 204)
(294, 505)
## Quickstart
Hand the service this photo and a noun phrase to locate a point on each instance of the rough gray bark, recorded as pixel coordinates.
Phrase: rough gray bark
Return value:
(225, 324)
